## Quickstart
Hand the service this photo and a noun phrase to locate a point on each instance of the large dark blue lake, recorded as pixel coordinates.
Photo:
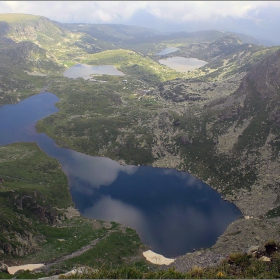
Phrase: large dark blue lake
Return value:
(173, 212)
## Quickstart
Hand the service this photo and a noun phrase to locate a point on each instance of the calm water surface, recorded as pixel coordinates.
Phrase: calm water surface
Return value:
(182, 64)
(84, 71)
(173, 212)
(168, 50)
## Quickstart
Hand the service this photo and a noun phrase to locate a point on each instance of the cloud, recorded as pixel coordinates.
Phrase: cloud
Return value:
(96, 171)
(190, 180)
(108, 209)
(120, 11)
(75, 11)
(259, 19)
(205, 10)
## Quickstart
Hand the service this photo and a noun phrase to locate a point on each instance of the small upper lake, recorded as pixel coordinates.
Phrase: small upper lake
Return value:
(168, 50)
(182, 64)
(85, 71)
(173, 212)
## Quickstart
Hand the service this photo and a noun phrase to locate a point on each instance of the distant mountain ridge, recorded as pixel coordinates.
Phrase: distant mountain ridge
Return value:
(111, 31)
(220, 122)
(132, 34)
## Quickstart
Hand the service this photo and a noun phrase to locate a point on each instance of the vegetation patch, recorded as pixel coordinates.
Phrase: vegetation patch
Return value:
(133, 63)
(36, 226)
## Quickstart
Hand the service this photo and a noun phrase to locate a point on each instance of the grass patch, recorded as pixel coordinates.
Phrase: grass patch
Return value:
(13, 18)
(34, 228)
(236, 266)
(118, 248)
(132, 63)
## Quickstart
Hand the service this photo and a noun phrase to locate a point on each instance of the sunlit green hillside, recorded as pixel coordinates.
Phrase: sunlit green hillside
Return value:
(133, 63)
(13, 18)
(61, 43)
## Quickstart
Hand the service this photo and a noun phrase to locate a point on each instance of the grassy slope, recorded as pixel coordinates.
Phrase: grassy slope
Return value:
(32, 189)
(12, 18)
(132, 63)
(117, 119)
(19, 58)
(61, 44)
(92, 118)
(236, 266)
(73, 122)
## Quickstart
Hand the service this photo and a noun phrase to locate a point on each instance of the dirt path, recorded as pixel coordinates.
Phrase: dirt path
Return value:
(77, 253)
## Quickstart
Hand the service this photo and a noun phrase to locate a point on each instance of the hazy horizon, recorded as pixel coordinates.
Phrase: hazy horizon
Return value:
(259, 19)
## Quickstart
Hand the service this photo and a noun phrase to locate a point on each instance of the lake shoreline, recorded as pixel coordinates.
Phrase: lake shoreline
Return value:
(226, 243)
(73, 161)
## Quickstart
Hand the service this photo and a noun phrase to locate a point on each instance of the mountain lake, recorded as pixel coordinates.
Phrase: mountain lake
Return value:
(182, 64)
(85, 71)
(173, 212)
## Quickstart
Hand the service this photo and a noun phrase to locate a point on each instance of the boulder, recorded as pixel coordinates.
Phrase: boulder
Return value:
(265, 259)
(3, 267)
(252, 250)
(80, 271)
(185, 139)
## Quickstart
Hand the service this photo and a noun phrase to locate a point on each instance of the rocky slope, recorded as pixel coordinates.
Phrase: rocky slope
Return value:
(220, 123)
(241, 132)
(232, 138)
(218, 128)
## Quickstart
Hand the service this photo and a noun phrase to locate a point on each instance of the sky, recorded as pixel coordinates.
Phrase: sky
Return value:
(257, 18)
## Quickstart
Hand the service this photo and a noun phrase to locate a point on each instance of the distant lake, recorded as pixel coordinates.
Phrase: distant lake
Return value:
(84, 71)
(173, 212)
(168, 50)
(182, 64)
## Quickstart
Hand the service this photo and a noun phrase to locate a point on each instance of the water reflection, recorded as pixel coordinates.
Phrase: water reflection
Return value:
(172, 211)
(94, 170)
(182, 64)
(16, 120)
(109, 209)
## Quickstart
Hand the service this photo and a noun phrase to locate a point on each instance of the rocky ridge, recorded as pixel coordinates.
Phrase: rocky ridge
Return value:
(251, 139)
(221, 125)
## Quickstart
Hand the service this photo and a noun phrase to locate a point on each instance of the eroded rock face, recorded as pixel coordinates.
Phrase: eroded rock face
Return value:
(21, 242)
(25, 243)
(266, 75)
(45, 213)
(29, 29)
